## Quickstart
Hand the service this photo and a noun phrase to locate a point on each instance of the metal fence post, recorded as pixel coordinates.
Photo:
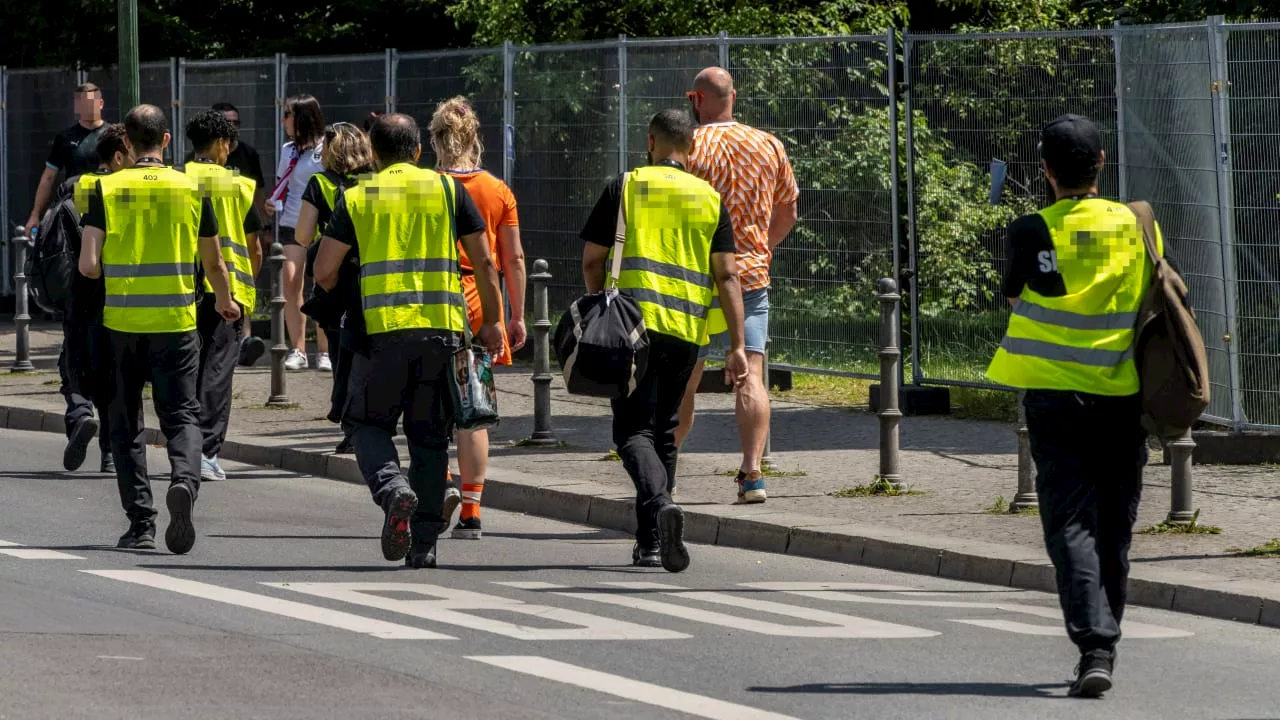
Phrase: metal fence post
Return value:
(895, 176)
(722, 49)
(1026, 497)
(542, 434)
(177, 68)
(622, 103)
(279, 348)
(4, 175)
(1226, 205)
(1122, 169)
(890, 416)
(389, 75)
(766, 457)
(508, 113)
(913, 240)
(21, 309)
(1181, 511)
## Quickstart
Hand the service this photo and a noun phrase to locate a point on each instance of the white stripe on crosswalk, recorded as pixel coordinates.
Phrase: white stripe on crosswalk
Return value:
(6, 543)
(38, 554)
(275, 606)
(642, 692)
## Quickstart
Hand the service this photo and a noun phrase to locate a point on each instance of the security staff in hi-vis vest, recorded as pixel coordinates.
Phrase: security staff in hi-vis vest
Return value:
(1077, 275)
(144, 231)
(211, 135)
(678, 252)
(406, 223)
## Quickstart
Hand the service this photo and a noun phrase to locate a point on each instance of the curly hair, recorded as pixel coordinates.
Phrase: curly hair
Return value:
(346, 150)
(110, 142)
(207, 127)
(455, 134)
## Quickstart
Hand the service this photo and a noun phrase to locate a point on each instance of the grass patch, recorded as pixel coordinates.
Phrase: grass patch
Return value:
(1003, 507)
(1192, 528)
(611, 456)
(55, 381)
(768, 470)
(855, 393)
(528, 443)
(1269, 549)
(978, 404)
(876, 488)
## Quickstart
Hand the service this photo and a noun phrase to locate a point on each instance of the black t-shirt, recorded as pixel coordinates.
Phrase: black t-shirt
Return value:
(75, 150)
(602, 224)
(314, 195)
(97, 215)
(467, 216)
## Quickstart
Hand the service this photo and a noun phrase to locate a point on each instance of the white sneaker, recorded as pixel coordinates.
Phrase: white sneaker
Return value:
(322, 363)
(211, 469)
(295, 360)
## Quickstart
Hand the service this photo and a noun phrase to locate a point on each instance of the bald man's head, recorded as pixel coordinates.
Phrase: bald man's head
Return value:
(713, 95)
(396, 139)
(146, 129)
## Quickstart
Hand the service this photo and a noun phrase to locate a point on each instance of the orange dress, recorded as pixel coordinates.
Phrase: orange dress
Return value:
(497, 205)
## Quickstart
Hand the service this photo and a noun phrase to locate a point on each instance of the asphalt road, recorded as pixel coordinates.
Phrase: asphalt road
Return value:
(285, 609)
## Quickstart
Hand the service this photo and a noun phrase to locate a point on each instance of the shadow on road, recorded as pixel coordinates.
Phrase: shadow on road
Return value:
(980, 689)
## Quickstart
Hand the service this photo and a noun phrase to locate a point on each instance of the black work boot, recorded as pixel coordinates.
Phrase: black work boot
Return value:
(1093, 674)
(675, 556)
(395, 527)
(78, 443)
(141, 536)
(421, 557)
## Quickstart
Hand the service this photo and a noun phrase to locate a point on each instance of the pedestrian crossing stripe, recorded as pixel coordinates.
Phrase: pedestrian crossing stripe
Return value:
(16, 550)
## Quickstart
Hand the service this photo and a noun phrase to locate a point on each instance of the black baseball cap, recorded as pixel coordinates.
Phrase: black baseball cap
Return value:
(1070, 142)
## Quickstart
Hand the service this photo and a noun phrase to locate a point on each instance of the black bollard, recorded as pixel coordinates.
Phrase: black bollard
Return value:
(21, 303)
(1180, 451)
(279, 348)
(542, 434)
(890, 356)
(1026, 497)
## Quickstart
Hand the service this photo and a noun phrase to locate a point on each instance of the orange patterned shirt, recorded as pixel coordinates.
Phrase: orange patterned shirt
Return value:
(750, 170)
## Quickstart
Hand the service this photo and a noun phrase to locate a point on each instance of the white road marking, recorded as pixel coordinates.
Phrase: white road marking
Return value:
(119, 657)
(838, 592)
(38, 554)
(275, 606)
(642, 692)
(828, 624)
(531, 585)
(6, 543)
(453, 606)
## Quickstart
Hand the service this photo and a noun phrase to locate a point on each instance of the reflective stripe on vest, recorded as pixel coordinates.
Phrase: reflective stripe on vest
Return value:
(1083, 340)
(232, 198)
(671, 218)
(404, 226)
(150, 250)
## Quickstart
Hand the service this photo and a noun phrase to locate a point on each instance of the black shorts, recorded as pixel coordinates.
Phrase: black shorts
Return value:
(287, 236)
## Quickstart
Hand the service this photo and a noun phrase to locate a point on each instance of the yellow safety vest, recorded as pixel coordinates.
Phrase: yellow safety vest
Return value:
(671, 218)
(403, 218)
(86, 186)
(232, 198)
(329, 190)
(149, 253)
(1082, 341)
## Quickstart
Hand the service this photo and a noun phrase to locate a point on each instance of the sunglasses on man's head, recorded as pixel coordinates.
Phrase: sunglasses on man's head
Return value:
(694, 94)
(331, 131)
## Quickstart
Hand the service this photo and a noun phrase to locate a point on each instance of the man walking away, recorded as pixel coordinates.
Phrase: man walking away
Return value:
(407, 223)
(83, 362)
(750, 170)
(142, 234)
(1076, 278)
(74, 151)
(679, 249)
(231, 193)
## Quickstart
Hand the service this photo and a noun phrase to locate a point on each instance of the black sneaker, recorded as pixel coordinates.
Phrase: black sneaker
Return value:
(1093, 674)
(141, 536)
(180, 536)
(421, 558)
(468, 529)
(395, 527)
(345, 447)
(108, 465)
(78, 443)
(675, 556)
(646, 557)
(251, 348)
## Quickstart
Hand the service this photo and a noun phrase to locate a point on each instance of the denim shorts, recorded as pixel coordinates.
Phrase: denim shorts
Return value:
(755, 326)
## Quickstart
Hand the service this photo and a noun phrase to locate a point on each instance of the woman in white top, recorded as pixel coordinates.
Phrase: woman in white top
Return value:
(299, 160)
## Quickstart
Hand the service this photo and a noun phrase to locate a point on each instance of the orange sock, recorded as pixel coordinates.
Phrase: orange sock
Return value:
(471, 500)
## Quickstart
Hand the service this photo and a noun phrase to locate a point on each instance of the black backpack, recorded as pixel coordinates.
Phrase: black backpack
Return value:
(52, 263)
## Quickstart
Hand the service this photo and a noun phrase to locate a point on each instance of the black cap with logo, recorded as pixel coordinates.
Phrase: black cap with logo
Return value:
(1071, 142)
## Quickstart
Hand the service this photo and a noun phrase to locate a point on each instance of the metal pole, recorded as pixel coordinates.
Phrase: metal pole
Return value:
(177, 68)
(542, 434)
(279, 348)
(622, 104)
(4, 175)
(1226, 205)
(1121, 157)
(722, 49)
(895, 177)
(389, 72)
(912, 240)
(1026, 496)
(766, 458)
(1180, 502)
(890, 357)
(508, 112)
(21, 300)
(127, 64)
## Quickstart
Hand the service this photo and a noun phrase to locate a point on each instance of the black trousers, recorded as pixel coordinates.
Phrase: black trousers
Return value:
(84, 367)
(171, 361)
(219, 355)
(343, 354)
(1089, 452)
(404, 375)
(644, 429)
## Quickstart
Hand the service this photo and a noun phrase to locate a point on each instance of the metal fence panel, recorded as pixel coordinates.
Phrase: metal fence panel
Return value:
(1253, 69)
(828, 103)
(247, 84)
(974, 100)
(567, 118)
(1171, 157)
(658, 75)
(348, 88)
(424, 80)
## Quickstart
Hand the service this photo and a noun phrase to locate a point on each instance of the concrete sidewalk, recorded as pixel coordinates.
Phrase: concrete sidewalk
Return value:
(958, 467)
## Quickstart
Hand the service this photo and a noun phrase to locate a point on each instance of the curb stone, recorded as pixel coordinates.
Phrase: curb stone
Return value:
(745, 527)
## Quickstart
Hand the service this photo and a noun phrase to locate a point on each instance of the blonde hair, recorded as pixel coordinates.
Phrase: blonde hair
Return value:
(346, 150)
(455, 133)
